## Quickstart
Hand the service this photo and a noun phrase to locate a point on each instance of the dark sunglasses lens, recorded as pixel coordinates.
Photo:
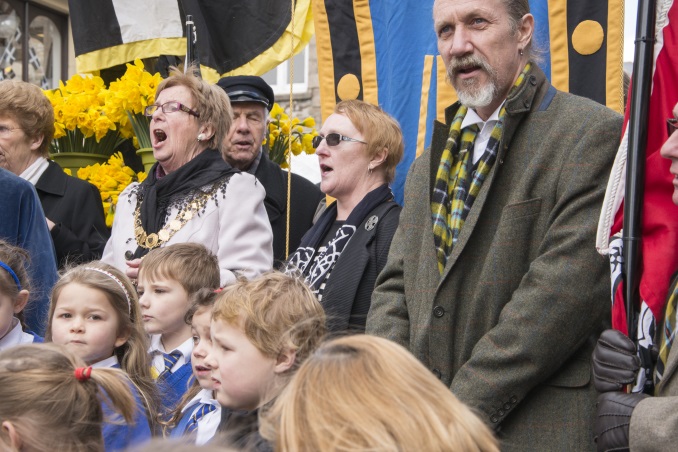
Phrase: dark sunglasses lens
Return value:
(672, 125)
(316, 141)
(333, 139)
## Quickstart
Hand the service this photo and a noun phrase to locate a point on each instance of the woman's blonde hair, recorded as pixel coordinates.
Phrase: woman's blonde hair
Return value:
(276, 312)
(378, 128)
(367, 393)
(212, 102)
(190, 264)
(18, 260)
(49, 407)
(133, 354)
(30, 108)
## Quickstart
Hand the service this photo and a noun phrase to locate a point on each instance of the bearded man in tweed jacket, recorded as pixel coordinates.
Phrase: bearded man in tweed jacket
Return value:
(493, 280)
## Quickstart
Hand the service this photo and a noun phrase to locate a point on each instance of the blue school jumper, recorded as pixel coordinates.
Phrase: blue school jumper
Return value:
(36, 339)
(118, 437)
(189, 410)
(174, 385)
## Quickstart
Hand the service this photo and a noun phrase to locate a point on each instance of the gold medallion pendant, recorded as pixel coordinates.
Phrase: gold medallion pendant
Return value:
(153, 240)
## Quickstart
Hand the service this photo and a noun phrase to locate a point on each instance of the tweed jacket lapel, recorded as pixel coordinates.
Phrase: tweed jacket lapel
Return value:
(517, 107)
(671, 365)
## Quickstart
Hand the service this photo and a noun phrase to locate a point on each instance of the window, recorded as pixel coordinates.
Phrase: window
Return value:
(38, 56)
(278, 78)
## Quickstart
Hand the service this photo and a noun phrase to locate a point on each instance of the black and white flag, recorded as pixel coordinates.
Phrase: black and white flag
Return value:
(234, 36)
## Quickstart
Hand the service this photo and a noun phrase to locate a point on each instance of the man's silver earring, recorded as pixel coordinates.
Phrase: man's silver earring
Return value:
(520, 52)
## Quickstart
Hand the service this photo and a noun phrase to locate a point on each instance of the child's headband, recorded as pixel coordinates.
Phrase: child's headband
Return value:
(122, 286)
(12, 274)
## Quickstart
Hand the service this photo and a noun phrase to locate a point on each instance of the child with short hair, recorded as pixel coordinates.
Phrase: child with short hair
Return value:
(14, 296)
(50, 401)
(198, 413)
(94, 313)
(261, 332)
(168, 277)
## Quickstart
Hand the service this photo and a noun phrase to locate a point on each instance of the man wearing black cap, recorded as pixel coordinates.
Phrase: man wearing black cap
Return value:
(251, 99)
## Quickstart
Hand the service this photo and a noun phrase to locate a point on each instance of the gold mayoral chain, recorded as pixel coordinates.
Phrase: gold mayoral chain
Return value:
(150, 241)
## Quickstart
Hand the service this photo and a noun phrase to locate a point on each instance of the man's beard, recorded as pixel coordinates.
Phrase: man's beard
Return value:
(470, 92)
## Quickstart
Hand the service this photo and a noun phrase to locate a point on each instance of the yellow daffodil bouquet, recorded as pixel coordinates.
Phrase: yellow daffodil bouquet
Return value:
(83, 122)
(279, 136)
(127, 98)
(110, 178)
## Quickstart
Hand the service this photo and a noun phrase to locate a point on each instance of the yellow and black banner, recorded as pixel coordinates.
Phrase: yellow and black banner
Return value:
(385, 52)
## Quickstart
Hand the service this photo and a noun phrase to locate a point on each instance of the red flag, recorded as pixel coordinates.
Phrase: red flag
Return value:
(659, 215)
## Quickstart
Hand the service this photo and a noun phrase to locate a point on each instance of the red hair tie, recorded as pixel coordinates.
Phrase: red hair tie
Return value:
(83, 373)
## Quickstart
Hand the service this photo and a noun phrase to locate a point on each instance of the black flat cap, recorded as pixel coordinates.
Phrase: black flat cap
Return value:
(248, 88)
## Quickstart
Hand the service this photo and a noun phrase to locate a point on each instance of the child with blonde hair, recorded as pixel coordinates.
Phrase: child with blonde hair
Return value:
(50, 401)
(94, 313)
(14, 296)
(168, 278)
(198, 413)
(360, 393)
(261, 330)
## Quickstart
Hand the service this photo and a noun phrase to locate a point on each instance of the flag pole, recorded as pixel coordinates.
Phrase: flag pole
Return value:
(635, 165)
(191, 38)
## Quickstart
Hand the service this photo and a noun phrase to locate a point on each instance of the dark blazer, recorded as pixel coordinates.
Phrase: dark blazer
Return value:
(348, 292)
(74, 205)
(511, 323)
(305, 198)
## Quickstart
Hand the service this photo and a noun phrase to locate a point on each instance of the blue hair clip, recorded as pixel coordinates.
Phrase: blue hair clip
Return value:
(12, 274)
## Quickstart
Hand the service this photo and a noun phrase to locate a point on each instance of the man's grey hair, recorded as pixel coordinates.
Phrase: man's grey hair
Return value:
(516, 10)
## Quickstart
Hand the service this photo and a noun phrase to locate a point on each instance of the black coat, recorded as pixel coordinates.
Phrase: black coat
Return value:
(305, 199)
(348, 291)
(74, 205)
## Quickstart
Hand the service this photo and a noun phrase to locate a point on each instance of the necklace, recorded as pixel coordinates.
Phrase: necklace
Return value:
(153, 240)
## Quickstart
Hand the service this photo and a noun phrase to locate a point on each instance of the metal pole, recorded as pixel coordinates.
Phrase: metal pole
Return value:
(190, 42)
(635, 165)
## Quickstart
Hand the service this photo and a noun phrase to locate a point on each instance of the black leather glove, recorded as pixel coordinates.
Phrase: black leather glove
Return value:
(615, 362)
(613, 420)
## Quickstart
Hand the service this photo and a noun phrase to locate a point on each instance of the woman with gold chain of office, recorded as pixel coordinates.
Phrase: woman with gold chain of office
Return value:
(191, 194)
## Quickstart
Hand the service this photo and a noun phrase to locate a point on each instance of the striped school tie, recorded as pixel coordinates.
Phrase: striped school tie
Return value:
(170, 360)
(201, 412)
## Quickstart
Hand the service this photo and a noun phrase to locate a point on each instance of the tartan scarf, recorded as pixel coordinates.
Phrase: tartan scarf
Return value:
(669, 332)
(453, 193)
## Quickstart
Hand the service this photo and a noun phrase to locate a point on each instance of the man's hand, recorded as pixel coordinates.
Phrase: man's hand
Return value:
(615, 362)
(613, 419)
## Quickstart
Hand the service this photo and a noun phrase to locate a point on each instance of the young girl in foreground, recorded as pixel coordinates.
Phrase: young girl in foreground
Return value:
(70, 418)
(94, 313)
(360, 393)
(14, 295)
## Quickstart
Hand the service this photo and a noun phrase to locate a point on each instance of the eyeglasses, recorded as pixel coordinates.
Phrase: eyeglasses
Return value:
(170, 107)
(671, 125)
(5, 131)
(332, 139)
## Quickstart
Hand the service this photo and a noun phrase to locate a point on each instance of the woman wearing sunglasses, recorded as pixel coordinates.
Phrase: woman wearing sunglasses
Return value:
(191, 194)
(358, 149)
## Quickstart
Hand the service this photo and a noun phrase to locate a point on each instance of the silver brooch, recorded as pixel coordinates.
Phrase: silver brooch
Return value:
(371, 223)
